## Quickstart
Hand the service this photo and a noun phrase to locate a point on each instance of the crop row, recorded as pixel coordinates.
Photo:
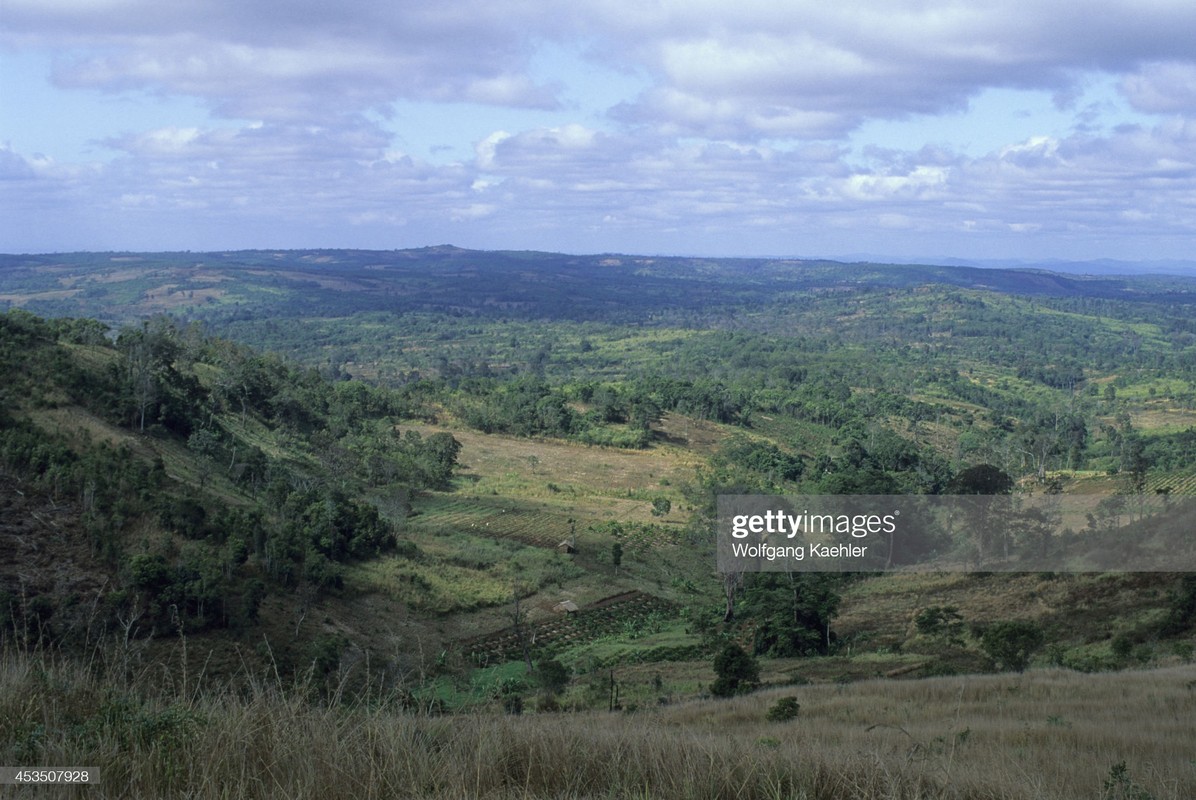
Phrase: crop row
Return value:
(599, 619)
(1180, 485)
(638, 536)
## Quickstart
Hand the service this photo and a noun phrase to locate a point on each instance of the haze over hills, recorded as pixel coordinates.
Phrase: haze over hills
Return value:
(1104, 266)
(110, 285)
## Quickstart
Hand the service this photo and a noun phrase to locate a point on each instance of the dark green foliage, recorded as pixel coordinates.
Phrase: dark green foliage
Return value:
(1181, 611)
(230, 554)
(1122, 646)
(704, 399)
(940, 621)
(1010, 644)
(325, 652)
(184, 516)
(552, 676)
(736, 672)
(524, 407)
(336, 527)
(426, 462)
(791, 612)
(322, 573)
(783, 710)
(764, 459)
(876, 460)
(147, 386)
(982, 479)
(190, 591)
(858, 481)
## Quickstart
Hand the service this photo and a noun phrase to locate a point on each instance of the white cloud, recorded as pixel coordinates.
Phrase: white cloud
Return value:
(736, 120)
(486, 148)
(815, 69)
(1163, 88)
(751, 68)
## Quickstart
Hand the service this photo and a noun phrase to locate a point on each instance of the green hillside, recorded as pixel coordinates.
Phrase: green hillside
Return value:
(445, 481)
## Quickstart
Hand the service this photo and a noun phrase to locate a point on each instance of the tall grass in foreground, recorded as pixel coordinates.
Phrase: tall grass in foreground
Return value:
(1050, 735)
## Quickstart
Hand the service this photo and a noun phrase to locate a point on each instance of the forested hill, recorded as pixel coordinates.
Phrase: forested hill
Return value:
(375, 455)
(277, 498)
(1029, 369)
(115, 287)
(164, 481)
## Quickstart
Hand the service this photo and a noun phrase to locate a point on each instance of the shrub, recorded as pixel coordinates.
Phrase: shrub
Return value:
(944, 621)
(1122, 646)
(1011, 643)
(1181, 612)
(736, 672)
(552, 675)
(783, 710)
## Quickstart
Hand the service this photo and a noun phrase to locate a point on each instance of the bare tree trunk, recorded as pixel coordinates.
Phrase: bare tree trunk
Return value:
(731, 583)
(521, 633)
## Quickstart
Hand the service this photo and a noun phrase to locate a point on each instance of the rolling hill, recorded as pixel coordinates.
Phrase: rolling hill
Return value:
(428, 476)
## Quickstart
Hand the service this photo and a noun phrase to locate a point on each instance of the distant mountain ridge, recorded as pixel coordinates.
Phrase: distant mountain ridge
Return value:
(121, 287)
(1100, 266)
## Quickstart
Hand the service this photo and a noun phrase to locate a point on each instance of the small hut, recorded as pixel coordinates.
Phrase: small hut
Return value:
(566, 607)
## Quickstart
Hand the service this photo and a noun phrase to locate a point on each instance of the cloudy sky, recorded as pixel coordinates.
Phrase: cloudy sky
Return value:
(908, 128)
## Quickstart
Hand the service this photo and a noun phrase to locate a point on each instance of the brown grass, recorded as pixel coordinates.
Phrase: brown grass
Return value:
(589, 481)
(1044, 735)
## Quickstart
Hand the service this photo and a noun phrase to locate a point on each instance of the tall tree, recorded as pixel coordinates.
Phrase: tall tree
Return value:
(792, 611)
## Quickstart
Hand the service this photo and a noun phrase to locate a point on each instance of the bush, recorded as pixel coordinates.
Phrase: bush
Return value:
(1010, 644)
(783, 710)
(552, 676)
(944, 621)
(1181, 612)
(1122, 646)
(736, 672)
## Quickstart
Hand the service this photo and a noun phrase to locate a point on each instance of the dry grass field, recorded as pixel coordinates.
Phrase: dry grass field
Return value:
(590, 482)
(1044, 735)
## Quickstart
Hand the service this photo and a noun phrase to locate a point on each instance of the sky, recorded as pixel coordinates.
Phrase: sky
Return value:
(910, 129)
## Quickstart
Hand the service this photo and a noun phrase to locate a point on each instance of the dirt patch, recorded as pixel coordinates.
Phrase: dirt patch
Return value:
(1150, 419)
(22, 299)
(171, 295)
(699, 436)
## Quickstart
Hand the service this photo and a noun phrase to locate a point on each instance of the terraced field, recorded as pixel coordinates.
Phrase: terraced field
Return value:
(1180, 483)
(601, 618)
